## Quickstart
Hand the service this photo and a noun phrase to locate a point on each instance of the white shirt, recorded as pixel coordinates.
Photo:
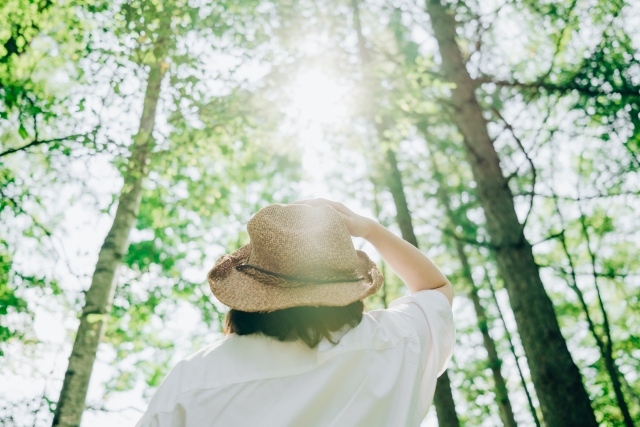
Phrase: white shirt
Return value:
(381, 373)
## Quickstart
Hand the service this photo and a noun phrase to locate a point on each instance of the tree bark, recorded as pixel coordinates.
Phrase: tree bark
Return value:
(443, 401)
(443, 398)
(99, 297)
(609, 360)
(495, 363)
(512, 348)
(606, 348)
(563, 398)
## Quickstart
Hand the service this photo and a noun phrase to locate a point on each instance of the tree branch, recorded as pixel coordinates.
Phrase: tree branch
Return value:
(19, 208)
(558, 88)
(534, 174)
(550, 237)
(577, 199)
(37, 142)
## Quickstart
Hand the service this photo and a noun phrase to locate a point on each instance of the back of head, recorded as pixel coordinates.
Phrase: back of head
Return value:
(305, 323)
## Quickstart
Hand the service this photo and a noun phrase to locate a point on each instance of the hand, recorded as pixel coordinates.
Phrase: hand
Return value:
(357, 225)
(411, 265)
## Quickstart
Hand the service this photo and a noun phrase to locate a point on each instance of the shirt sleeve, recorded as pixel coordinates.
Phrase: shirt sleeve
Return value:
(429, 314)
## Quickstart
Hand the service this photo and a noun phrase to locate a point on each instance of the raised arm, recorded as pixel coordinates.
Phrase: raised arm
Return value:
(415, 269)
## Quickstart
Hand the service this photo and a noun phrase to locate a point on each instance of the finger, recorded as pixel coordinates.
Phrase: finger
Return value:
(317, 202)
(310, 202)
(314, 202)
(342, 209)
(346, 220)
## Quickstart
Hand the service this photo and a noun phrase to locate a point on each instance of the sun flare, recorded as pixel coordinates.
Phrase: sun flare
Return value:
(318, 98)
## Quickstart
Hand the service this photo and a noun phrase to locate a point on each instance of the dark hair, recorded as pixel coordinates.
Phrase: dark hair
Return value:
(307, 323)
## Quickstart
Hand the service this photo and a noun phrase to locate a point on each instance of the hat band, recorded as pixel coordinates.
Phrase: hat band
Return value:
(271, 278)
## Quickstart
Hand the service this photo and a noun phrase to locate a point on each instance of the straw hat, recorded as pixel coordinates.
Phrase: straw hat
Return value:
(297, 255)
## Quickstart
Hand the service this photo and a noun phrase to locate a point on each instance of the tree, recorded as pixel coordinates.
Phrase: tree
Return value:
(99, 297)
(29, 99)
(35, 126)
(562, 395)
(443, 398)
(494, 361)
(157, 28)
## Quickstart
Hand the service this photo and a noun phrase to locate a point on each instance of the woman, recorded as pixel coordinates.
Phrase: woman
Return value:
(299, 350)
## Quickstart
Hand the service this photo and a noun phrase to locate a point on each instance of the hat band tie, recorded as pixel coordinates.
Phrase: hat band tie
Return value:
(271, 278)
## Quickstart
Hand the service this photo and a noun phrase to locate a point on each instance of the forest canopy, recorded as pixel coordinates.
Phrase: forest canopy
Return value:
(501, 138)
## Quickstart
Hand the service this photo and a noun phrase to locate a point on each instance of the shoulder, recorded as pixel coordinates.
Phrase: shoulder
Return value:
(430, 315)
(423, 308)
(184, 375)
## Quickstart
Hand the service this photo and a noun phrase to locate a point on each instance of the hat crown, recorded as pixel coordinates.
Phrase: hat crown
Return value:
(301, 241)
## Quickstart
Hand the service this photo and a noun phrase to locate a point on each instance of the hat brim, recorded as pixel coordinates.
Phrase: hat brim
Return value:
(243, 292)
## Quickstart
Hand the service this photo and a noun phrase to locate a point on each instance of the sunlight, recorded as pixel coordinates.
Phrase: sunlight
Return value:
(317, 104)
(317, 98)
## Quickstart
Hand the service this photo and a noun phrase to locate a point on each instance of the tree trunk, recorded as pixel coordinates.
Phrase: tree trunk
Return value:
(610, 363)
(512, 348)
(378, 213)
(447, 416)
(445, 406)
(495, 363)
(563, 398)
(99, 297)
(606, 348)
(502, 394)
(443, 398)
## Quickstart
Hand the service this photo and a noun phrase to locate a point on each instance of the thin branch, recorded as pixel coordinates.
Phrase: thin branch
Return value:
(534, 414)
(37, 142)
(550, 87)
(104, 409)
(559, 41)
(573, 284)
(534, 174)
(19, 208)
(588, 273)
(467, 240)
(550, 237)
(577, 199)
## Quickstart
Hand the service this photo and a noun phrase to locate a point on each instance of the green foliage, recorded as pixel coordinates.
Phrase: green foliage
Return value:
(8, 299)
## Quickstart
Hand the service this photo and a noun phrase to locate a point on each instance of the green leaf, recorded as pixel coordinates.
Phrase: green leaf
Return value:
(23, 132)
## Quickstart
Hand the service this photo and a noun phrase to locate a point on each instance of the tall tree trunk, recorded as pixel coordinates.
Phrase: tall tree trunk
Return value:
(563, 398)
(378, 213)
(495, 363)
(443, 401)
(502, 394)
(609, 360)
(606, 348)
(512, 348)
(99, 297)
(443, 398)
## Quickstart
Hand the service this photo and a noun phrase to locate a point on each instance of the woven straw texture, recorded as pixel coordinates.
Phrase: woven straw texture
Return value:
(309, 246)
